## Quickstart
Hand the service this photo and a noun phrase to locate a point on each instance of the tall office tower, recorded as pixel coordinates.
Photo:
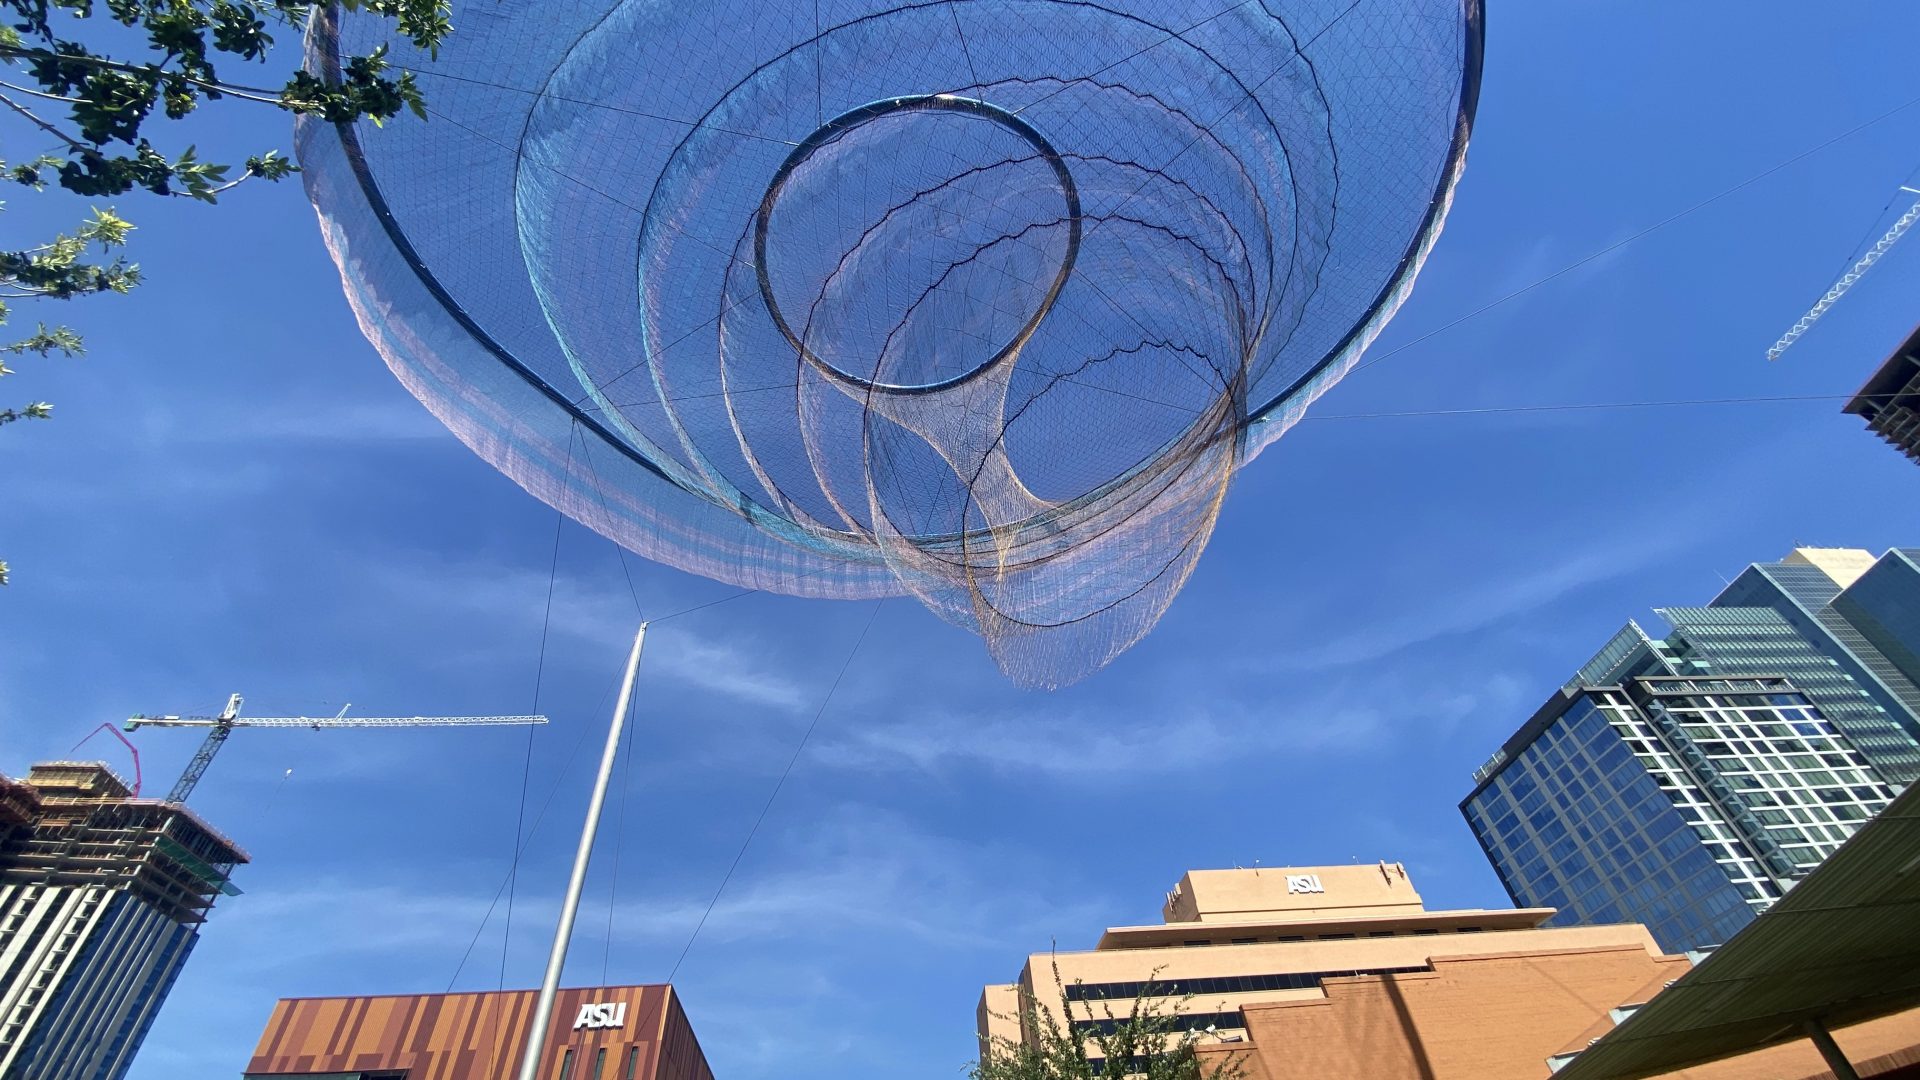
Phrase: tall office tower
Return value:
(1807, 590)
(101, 900)
(1653, 789)
(1760, 641)
(1884, 605)
(1890, 401)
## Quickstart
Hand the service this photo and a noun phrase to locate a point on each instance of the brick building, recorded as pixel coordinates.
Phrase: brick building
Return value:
(597, 1033)
(1511, 1016)
(1341, 972)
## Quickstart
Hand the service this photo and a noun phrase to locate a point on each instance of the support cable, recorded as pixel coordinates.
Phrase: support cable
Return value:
(775, 793)
(533, 829)
(1847, 281)
(626, 778)
(619, 841)
(600, 490)
(1853, 252)
(708, 604)
(526, 764)
(539, 676)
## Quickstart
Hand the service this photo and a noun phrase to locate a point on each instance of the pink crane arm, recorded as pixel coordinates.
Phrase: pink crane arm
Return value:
(131, 749)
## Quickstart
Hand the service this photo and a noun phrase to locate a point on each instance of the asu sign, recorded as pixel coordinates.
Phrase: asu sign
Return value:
(642, 1030)
(595, 1016)
(1304, 883)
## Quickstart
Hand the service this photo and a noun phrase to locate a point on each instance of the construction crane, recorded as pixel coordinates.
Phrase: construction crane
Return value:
(1848, 279)
(221, 726)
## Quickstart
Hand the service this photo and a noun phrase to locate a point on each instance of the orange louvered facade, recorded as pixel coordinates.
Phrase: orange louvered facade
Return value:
(481, 1035)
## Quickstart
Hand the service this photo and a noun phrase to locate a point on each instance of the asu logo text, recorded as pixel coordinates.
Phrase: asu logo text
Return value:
(596, 1015)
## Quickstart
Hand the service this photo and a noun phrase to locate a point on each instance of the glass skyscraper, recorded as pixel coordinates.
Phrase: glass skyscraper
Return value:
(1658, 786)
(1884, 605)
(1861, 616)
(1760, 641)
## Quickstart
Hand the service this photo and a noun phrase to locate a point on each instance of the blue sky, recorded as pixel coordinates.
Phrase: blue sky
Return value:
(237, 496)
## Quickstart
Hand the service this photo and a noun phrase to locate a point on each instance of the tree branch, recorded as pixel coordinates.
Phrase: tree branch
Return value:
(160, 70)
(44, 94)
(213, 192)
(72, 143)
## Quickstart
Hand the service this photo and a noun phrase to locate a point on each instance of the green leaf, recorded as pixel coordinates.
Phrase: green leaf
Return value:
(271, 166)
(44, 342)
(106, 228)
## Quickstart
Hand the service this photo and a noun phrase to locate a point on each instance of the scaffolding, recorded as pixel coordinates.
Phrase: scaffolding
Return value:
(86, 829)
(19, 806)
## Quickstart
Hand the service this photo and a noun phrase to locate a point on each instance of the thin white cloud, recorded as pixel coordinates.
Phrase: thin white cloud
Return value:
(385, 421)
(723, 668)
(1505, 591)
(500, 597)
(1076, 744)
(863, 868)
(1338, 716)
(339, 918)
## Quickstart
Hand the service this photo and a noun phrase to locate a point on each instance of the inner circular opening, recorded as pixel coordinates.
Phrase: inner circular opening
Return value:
(913, 243)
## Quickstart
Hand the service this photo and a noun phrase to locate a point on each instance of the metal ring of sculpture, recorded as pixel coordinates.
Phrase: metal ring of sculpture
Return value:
(845, 123)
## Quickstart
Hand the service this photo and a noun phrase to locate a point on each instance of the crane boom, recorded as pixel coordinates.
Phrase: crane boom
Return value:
(221, 726)
(1848, 279)
(138, 722)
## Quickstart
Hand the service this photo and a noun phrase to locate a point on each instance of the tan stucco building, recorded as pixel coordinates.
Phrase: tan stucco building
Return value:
(1338, 972)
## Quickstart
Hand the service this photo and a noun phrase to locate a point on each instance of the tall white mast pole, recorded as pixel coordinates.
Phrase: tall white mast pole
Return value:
(543, 1008)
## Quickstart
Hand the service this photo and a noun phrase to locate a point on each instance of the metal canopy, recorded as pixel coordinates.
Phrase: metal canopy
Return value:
(1842, 947)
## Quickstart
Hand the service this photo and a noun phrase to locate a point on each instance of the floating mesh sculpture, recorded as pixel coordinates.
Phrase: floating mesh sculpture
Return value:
(981, 301)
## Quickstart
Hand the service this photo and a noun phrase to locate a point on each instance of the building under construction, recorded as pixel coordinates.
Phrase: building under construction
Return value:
(101, 899)
(1890, 401)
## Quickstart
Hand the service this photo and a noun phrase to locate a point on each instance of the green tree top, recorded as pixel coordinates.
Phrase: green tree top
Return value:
(92, 80)
(1148, 1042)
(73, 83)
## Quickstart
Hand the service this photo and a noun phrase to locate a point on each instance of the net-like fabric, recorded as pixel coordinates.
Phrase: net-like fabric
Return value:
(981, 301)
